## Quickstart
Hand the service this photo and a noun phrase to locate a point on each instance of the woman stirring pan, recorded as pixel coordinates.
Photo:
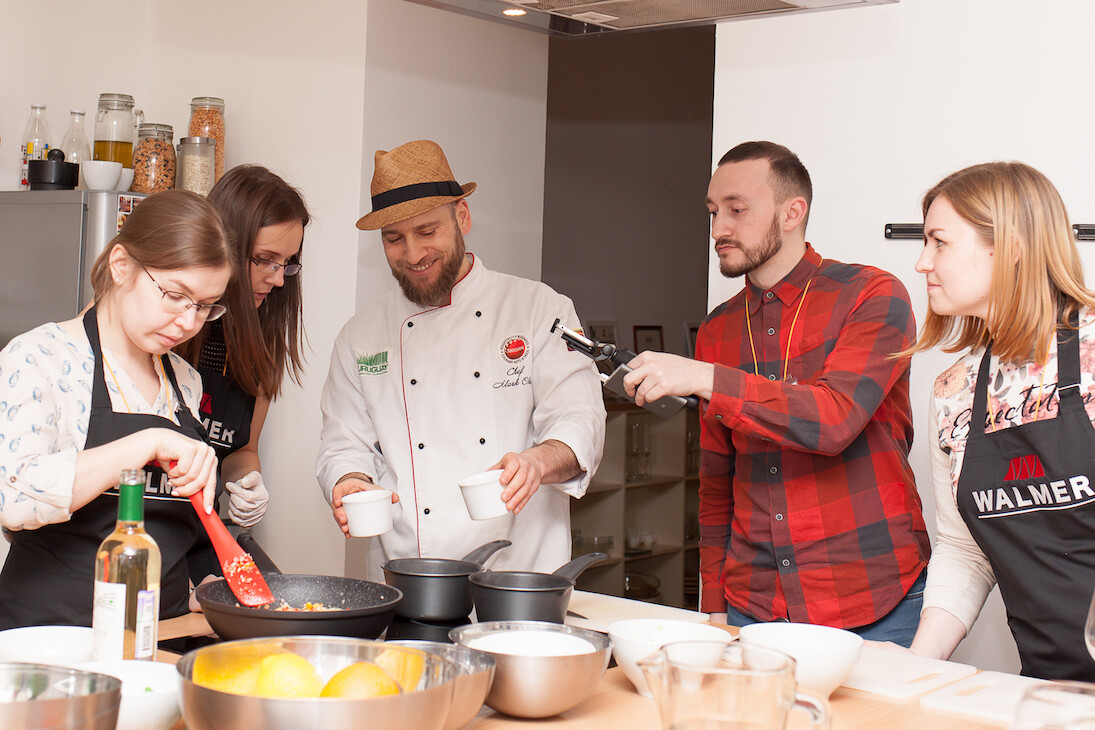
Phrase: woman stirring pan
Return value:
(243, 357)
(1011, 438)
(83, 399)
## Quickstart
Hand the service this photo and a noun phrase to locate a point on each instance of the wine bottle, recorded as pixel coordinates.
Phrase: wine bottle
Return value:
(127, 581)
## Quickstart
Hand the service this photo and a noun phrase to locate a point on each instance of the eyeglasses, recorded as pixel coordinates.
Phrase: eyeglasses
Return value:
(177, 303)
(271, 267)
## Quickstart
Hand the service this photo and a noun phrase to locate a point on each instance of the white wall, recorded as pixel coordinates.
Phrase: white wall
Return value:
(882, 102)
(303, 99)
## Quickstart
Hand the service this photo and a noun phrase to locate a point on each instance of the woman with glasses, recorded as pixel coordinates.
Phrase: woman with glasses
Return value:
(83, 399)
(243, 357)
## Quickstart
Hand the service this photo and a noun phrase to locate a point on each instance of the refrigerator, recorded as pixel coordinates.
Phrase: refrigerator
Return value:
(49, 240)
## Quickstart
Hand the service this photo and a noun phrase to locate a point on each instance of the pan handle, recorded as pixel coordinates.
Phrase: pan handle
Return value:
(262, 560)
(480, 554)
(575, 567)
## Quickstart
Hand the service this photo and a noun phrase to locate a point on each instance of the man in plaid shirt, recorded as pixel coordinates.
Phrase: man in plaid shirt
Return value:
(808, 506)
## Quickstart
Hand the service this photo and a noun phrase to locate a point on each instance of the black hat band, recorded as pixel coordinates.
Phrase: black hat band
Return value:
(396, 196)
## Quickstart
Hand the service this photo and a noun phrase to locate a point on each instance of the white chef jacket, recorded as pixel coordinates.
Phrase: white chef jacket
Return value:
(419, 398)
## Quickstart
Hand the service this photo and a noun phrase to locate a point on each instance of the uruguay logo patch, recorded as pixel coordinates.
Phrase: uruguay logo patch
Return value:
(514, 348)
(373, 363)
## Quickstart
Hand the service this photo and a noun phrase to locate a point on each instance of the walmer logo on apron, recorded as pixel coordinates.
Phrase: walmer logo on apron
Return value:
(1036, 495)
(373, 364)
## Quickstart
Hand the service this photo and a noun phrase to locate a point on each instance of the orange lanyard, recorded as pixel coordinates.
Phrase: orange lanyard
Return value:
(790, 334)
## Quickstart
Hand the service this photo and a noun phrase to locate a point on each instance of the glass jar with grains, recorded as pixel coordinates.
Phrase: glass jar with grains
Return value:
(197, 161)
(154, 159)
(207, 120)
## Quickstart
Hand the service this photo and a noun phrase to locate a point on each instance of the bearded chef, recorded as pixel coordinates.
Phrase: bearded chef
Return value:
(455, 373)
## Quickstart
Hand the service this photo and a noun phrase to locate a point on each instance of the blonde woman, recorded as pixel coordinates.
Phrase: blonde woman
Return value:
(1011, 439)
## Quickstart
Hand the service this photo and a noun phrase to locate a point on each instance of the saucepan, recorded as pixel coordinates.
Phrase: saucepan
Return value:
(517, 595)
(363, 609)
(437, 589)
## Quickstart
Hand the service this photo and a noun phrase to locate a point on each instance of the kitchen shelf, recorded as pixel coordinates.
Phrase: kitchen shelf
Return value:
(664, 503)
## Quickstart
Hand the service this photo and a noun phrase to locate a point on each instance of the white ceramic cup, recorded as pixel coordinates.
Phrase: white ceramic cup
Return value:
(101, 174)
(482, 494)
(368, 513)
(125, 180)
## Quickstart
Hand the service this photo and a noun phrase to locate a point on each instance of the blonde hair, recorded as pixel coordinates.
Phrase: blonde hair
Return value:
(1037, 275)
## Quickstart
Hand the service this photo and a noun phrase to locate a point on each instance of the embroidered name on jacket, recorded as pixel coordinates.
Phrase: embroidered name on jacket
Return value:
(373, 364)
(1034, 496)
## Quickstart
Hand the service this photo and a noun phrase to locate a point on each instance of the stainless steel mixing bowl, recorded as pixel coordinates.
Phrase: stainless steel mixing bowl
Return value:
(423, 708)
(44, 697)
(539, 685)
(472, 684)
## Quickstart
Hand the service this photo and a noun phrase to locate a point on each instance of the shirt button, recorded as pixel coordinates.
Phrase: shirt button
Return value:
(478, 314)
(768, 295)
(771, 470)
(413, 381)
(422, 446)
(410, 324)
(426, 511)
(785, 562)
(771, 330)
(718, 417)
(477, 373)
(779, 517)
(772, 376)
(482, 441)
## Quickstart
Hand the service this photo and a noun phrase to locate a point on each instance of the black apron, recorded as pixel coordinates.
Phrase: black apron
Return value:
(1027, 494)
(48, 577)
(226, 411)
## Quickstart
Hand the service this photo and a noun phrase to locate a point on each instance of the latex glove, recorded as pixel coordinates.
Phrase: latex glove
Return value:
(248, 499)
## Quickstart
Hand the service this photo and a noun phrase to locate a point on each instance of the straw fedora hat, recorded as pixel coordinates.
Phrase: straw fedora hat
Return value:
(411, 179)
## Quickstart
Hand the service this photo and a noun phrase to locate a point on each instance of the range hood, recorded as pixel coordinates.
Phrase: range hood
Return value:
(574, 18)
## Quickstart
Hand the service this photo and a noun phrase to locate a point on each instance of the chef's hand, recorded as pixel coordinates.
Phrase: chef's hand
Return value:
(521, 477)
(193, 604)
(191, 465)
(249, 497)
(348, 485)
(657, 374)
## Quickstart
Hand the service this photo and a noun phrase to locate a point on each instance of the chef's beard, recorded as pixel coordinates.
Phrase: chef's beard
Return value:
(437, 293)
(756, 257)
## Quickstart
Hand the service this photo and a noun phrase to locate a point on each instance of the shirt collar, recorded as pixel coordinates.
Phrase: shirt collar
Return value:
(790, 287)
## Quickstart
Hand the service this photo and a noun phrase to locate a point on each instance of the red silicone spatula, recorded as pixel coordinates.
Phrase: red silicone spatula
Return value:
(239, 568)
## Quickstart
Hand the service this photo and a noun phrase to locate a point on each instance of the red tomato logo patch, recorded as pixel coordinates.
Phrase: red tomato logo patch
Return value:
(514, 348)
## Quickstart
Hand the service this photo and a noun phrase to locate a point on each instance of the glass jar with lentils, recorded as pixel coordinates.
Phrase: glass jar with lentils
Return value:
(207, 120)
(154, 159)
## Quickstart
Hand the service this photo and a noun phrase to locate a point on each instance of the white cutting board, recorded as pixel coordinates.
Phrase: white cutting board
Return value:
(990, 696)
(899, 676)
(600, 610)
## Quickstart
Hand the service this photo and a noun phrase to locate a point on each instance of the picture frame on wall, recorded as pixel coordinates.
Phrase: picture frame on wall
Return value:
(648, 337)
(691, 334)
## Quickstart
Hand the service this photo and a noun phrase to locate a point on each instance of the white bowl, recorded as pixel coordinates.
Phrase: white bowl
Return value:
(482, 494)
(824, 655)
(101, 174)
(368, 512)
(125, 181)
(64, 646)
(150, 692)
(638, 638)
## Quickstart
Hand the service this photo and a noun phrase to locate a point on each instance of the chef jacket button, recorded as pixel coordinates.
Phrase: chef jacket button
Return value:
(785, 562)
(410, 324)
(779, 517)
(414, 381)
(477, 373)
(768, 295)
(426, 511)
(771, 470)
(771, 330)
(478, 314)
(422, 446)
(772, 376)
(482, 440)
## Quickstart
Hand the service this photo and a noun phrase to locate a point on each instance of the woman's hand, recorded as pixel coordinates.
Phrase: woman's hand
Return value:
(191, 465)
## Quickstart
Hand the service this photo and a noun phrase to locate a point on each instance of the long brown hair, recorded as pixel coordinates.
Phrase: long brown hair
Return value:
(171, 230)
(1037, 275)
(263, 343)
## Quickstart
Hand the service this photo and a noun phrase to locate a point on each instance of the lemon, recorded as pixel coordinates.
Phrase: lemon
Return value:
(234, 671)
(405, 667)
(360, 681)
(287, 675)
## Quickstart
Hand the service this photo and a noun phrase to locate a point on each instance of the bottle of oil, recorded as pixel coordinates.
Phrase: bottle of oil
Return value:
(115, 129)
(127, 581)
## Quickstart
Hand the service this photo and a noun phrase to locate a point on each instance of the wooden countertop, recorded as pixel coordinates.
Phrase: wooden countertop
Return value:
(615, 705)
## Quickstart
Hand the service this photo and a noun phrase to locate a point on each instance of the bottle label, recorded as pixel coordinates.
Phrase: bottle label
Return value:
(108, 620)
(148, 609)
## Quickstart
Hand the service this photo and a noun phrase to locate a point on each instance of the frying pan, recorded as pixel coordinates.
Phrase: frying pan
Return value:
(517, 595)
(437, 589)
(367, 607)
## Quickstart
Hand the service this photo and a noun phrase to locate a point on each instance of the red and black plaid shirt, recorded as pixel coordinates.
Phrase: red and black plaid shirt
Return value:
(808, 506)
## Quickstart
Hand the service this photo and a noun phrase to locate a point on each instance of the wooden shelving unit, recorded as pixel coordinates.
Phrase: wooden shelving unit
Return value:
(664, 503)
